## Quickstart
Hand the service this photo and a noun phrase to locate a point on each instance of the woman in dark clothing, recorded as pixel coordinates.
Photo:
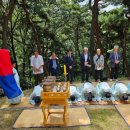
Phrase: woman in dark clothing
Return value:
(54, 65)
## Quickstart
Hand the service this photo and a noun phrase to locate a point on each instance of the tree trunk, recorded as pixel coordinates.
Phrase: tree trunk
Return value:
(12, 43)
(95, 32)
(35, 34)
(127, 70)
(7, 13)
(77, 39)
(37, 43)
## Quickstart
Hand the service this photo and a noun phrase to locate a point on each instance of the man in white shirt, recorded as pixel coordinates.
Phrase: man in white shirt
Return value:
(37, 67)
(85, 60)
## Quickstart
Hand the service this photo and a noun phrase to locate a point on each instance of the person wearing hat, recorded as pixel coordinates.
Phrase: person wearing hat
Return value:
(88, 92)
(74, 94)
(103, 92)
(37, 67)
(85, 60)
(35, 97)
(120, 91)
(115, 59)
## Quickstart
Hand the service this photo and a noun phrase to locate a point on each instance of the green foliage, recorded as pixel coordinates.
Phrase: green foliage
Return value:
(62, 25)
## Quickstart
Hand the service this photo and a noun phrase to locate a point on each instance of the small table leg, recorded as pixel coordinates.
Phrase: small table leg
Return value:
(44, 114)
(65, 115)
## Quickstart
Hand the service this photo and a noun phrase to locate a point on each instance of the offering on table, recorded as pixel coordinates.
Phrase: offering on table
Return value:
(55, 87)
(47, 87)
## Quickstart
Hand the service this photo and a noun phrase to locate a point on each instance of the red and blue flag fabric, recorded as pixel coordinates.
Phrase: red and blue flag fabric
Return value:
(7, 81)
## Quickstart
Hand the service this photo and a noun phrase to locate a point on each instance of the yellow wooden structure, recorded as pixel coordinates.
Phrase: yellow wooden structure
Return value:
(55, 98)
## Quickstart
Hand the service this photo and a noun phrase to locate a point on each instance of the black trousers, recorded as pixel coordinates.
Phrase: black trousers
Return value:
(54, 72)
(98, 75)
(114, 71)
(85, 73)
(70, 75)
(38, 78)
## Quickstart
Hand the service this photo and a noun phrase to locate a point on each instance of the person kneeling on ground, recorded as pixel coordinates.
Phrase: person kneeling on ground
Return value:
(120, 91)
(35, 97)
(103, 92)
(74, 94)
(88, 92)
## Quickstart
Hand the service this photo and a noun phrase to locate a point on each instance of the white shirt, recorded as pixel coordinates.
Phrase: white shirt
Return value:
(37, 62)
(116, 55)
(86, 56)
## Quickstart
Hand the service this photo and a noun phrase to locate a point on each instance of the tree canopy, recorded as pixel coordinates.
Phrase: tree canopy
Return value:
(59, 25)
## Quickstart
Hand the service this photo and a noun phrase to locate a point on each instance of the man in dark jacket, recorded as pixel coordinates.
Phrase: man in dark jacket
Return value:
(115, 58)
(85, 64)
(54, 65)
(70, 63)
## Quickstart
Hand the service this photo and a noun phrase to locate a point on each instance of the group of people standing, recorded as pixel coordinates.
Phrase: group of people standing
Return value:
(53, 65)
(37, 64)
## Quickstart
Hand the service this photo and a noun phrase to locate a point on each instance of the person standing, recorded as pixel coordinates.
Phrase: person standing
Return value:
(85, 64)
(16, 75)
(115, 58)
(54, 65)
(70, 62)
(99, 65)
(37, 67)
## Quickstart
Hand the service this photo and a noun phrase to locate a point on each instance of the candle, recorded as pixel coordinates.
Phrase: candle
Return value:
(65, 73)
